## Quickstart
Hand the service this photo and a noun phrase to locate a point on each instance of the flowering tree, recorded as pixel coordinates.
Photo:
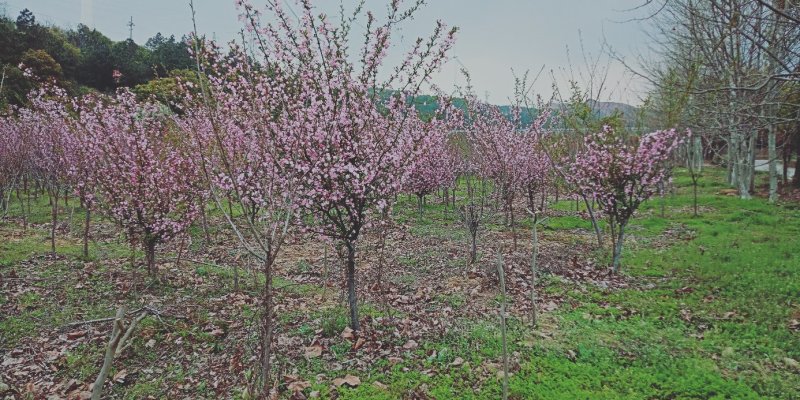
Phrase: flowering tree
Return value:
(350, 124)
(508, 153)
(621, 174)
(45, 122)
(236, 134)
(12, 158)
(146, 177)
(437, 165)
(80, 172)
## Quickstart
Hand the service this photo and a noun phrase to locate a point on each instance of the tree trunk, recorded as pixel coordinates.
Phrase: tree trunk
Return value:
(694, 194)
(266, 329)
(420, 203)
(502, 278)
(150, 255)
(618, 249)
(773, 164)
(54, 221)
(116, 335)
(698, 154)
(351, 285)
(473, 247)
(595, 225)
(86, 223)
(512, 222)
(534, 255)
(796, 179)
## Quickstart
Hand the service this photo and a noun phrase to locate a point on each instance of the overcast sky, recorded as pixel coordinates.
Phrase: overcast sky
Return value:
(495, 35)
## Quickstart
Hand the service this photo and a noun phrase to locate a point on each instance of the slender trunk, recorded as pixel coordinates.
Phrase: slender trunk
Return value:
(502, 279)
(420, 204)
(694, 194)
(544, 198)
(86, 223)
(698, 154)
(236, 276)
(351, 285)
(618, 248)
(266, 328)
(796, 179)
(473, 247)
(787, 158)
(54, 221)
(534, 256)
(512, 222)
(150, 255)
(773, 165)
(116, 335)
(595, 225)
(751, 166)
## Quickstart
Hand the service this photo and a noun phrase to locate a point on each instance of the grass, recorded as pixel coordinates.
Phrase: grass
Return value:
(713, 324)
(707, 314)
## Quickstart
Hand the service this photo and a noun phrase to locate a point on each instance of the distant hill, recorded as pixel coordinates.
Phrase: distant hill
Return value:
(427, 105)
(605, 108)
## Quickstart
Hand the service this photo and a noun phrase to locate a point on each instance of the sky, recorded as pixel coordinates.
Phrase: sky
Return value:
(562, 39)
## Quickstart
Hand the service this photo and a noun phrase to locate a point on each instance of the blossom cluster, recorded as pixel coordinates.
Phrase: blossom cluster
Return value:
(507, 153)
(621, 174)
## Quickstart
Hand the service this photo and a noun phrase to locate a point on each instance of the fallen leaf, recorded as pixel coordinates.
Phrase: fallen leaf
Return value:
(76, 335)
(349, 380)
(380, 385)
(217, 332)
(457, 362)
(410, 345)
(359, 343)
(347, 333)
(119, 377)
(299, 386)
(313, 351)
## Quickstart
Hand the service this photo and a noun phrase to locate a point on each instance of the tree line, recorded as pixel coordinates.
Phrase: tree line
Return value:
(82, 59)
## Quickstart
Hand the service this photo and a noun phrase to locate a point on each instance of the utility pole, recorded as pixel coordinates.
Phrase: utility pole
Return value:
(130, 29)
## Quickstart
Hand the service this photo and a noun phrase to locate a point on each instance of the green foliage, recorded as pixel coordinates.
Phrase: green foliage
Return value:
(80, 58)
(166, 89)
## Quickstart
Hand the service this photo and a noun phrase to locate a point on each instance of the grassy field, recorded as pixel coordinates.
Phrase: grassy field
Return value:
(707, 307)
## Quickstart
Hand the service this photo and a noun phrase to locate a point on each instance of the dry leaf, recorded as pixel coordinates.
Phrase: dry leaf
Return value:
(410, 345)
(299, 386)
(457, 362)
(349, 380)
(119, 377)
(313, 351)
(76, 335)
(347, 333)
